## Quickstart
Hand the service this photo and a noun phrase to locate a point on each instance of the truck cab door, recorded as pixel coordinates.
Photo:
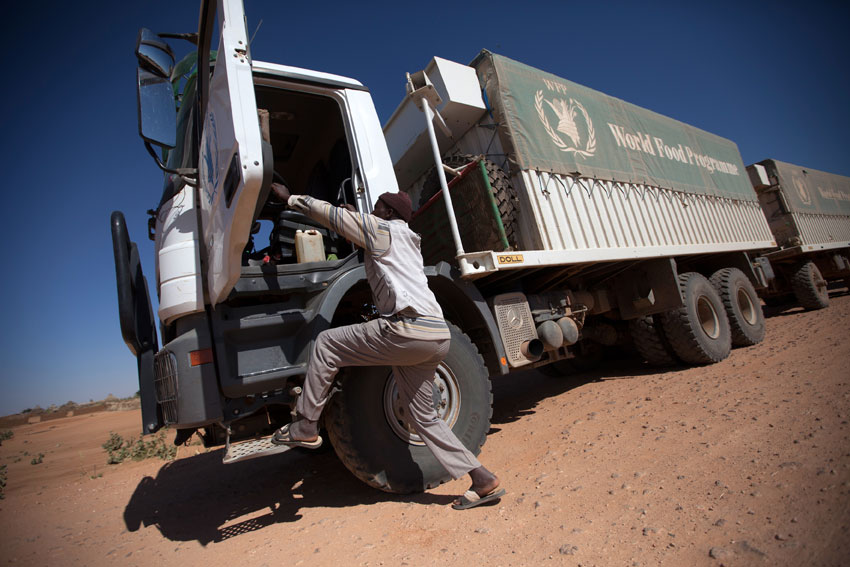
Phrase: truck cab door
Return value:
(231, 153)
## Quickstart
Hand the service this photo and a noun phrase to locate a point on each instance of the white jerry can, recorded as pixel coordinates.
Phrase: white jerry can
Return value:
(309, 246)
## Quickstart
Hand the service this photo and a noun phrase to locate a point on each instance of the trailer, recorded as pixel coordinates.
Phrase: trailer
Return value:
(808, 212)
(622, 211)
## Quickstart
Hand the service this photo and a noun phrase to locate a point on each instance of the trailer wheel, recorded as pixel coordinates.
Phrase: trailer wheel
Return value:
(650, 342)
(746, 320)
(372, 438)
(503, 191)
(809, 287)
(699, 330)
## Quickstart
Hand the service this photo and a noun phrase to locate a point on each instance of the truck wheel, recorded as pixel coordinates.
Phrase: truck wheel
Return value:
(699, 330)
(370, 433)
(650, 342)
(503, 191)
(809, 287)
(746, 320)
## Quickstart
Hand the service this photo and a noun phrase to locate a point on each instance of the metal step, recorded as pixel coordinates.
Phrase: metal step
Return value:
(252, 449)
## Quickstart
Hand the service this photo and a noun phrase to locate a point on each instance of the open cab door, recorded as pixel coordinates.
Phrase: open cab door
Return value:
(231, 150)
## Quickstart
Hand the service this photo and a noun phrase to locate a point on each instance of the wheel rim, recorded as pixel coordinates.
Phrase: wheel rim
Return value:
(707, 316)
(748, 309)
(446, 398)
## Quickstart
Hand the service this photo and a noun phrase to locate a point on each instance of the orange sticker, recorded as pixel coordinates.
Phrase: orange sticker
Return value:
(510, 259)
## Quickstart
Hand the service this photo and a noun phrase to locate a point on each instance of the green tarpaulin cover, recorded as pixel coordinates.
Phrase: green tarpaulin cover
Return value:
(554, 125)
(809, 190)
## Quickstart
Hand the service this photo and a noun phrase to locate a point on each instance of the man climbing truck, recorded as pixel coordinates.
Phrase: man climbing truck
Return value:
(410, 335)
(571, 222)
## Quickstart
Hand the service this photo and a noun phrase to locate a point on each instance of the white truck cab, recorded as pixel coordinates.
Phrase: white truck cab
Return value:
(238, 316)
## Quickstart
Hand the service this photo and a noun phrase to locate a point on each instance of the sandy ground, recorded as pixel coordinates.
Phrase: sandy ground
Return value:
(746, 462)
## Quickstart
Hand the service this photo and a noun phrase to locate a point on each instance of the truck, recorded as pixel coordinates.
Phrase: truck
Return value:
(570, 222)
(808, 212)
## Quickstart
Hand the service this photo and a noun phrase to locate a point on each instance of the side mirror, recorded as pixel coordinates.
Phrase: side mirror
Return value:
(154, 54)
(157, 111)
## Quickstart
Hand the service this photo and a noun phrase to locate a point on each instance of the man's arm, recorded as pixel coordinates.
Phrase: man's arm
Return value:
(365, 231)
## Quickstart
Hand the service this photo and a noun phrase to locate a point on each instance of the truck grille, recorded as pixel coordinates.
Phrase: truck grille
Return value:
(165, 384)
(513, 316)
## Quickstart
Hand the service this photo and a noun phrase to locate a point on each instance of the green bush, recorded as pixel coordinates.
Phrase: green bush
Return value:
(2, 481)
(118, 450)
(114, 443)
(37, 460)
(4, 435)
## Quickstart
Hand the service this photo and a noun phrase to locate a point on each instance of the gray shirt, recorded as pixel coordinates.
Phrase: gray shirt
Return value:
(394, 266)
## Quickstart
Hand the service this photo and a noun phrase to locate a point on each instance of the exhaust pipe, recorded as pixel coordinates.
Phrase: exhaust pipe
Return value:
(532, 350)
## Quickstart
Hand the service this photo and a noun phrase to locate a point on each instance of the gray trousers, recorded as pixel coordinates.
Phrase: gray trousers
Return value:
(414, 364)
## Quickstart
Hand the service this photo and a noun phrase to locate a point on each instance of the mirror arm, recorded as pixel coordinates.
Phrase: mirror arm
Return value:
(183, 172)
(191, 37)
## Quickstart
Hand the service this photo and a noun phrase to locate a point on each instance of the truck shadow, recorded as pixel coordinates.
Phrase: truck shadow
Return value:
(516, 395)
(835, 290)
(199, 498)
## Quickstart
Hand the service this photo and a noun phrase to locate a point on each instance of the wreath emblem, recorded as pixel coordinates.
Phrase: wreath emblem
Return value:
(567, 112)
(210, 159)
(802, 190)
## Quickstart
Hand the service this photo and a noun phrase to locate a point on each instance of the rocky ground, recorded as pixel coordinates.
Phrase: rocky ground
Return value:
(746, 462)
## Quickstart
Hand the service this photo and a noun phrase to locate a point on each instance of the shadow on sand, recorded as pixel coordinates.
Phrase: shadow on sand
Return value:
(199, 498)
(835, 289)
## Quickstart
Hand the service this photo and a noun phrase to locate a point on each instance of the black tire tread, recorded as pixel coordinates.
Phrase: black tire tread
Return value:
(682, 334)
(743, 334)
(650, 342)
(338, 424)
(802, 283)
(503, 191)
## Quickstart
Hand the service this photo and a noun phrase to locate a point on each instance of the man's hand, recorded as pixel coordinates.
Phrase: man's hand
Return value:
(349, 207)
(281, 192)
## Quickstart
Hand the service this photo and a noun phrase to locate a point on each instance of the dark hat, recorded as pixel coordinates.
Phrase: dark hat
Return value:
(400, 203)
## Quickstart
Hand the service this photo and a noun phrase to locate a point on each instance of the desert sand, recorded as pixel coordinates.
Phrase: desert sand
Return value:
(746, 462)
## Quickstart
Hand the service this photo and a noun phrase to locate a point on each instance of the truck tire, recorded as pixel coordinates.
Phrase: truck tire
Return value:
(743, 308)
(809, 287)
(650, 342)
(503, 191)
(367, 431)
(699, 330)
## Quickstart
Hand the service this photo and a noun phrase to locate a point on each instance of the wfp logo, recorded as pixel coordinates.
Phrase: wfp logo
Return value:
(210, 159)
(569, 134)
(802, 189)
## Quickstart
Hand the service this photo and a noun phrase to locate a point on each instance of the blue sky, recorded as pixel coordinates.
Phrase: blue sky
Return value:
(772, 76)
